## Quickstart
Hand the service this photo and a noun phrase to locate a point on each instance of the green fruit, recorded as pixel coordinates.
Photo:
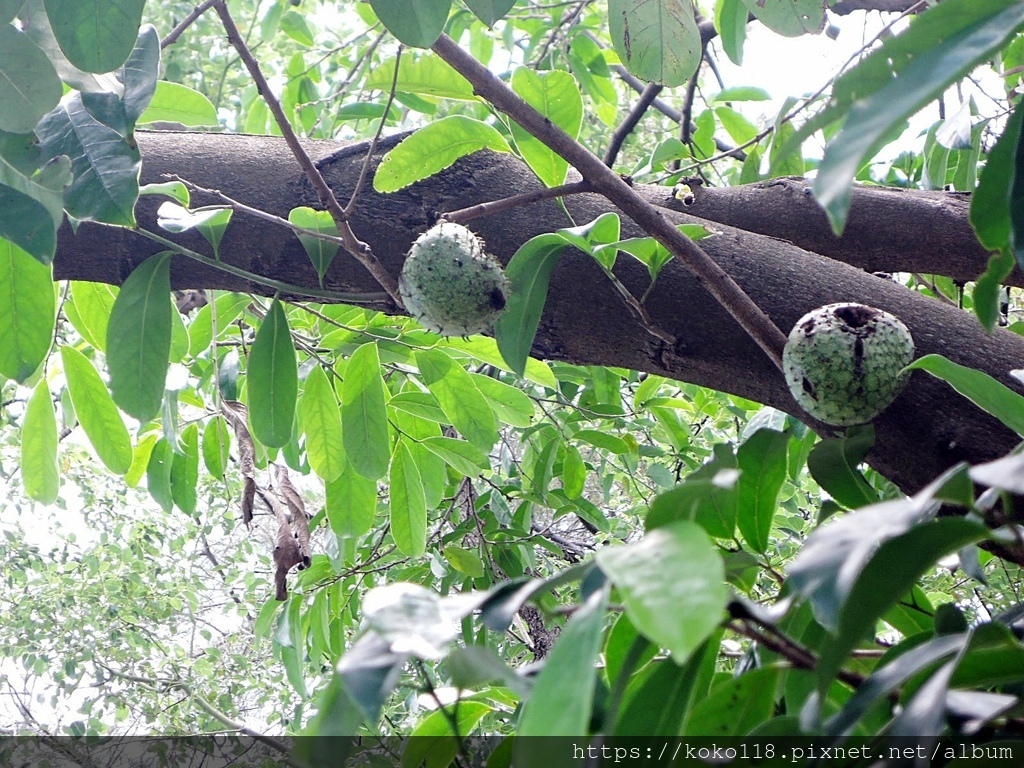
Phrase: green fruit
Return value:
(450, 284)
(843, 362)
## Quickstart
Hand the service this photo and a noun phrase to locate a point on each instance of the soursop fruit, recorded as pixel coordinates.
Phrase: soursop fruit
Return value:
(450, 284)
(843, 361)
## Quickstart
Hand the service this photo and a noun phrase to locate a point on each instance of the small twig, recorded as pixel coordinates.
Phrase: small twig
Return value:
(636, 114)
(376, 137)
(463, 215)
(188, 21)
(356, 247)
(605, 181)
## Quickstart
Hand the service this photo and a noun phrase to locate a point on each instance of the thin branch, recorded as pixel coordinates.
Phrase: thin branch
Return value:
(462, 215)
(368, 160)
(188, 21)
(357, 248)
(710, 274)
(636, 114)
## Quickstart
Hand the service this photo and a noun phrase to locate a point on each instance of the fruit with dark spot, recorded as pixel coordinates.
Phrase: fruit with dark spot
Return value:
(843, 362)
(450, 284)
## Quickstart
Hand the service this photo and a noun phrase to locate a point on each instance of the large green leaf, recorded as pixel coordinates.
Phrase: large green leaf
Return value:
(465, 458)
(321, 252)
(89, 309)
(216, 446)
(104, 164)
(273, 383)
(39, 471)
(529, 274)
(321, 421)
(417, 23)
(563, 693)
(29, 85)
(364, 413)
(833, 465)
(763, 468)
(490, 11)
(27, 312)
(96, 412)
(659, 41)
(512, 406)
(904, 74)
(177, 103)
(790, 18)
(158, 474)
(672, 583)
(228, 307)
(351, 503)
(425, 74)
(736, 706)
(433, 148)
(408, 503)
(731, 23)
(977, 386)
(185, 470)
(95, 35)
(139, 338)
(556, 95)
(458, 397)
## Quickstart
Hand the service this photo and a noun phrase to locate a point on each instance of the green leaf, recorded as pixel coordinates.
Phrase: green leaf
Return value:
(140, 459)
(737, 706)
(177, 103)
(96, 412)
(486, 350)
(185, 470)
(574, 472)
(907, 72)
(464, 561)
(1006, 473)
(529, 274)
(295, 26)
(490, 11)
(731, 23)
(408, 503)
(39, 471)
(29, 85)
(417, 23)
(672, 583)
(424, 74)
(216, 446)
(105, 165)
(990, 202)
(563, 693)
(763, 467)
(833, 465)
(89, 311)
(658, 42)
(458, 397)
(211, 221)
(676, 689)
(890, 573)
(433, 148)
(139, 75)
(604, 441)
(988, 289)
(158, 474)
(981, 389)
(709, 497)
(139, 338)
(321, 252)
(790, 18)
(556, 95)
(512, 406)
(351, 503)
(364, 414)
(95, 36)
(28, 309)
(273, 382)
(465, 458)
(321, 421)
(741, 92)
(432, 742)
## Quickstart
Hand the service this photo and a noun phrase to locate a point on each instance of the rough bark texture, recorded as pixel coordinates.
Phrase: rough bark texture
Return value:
(928, 428)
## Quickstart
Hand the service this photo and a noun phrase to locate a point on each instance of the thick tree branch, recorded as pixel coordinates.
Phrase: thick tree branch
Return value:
(929, 427)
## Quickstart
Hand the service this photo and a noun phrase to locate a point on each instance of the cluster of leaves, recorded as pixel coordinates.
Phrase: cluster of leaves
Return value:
(456, 484)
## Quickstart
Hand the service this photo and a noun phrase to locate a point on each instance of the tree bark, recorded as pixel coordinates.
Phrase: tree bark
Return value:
(927, 429)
